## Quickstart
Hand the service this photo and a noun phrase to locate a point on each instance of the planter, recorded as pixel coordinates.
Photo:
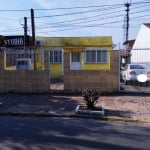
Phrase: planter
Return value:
(81, 110)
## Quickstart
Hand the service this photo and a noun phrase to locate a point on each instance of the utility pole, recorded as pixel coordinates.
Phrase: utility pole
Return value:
(25, 32)
(127, 5)
(33, 37)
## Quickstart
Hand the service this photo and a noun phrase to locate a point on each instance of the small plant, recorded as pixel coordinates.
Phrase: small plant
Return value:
(91, 98)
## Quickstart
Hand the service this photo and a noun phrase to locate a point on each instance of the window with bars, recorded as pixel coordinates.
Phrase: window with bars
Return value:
(11, 56)
(75, 57)
(96, 56)
(56, 56)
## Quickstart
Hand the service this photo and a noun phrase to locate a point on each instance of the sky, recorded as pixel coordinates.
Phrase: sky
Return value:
(74, 18)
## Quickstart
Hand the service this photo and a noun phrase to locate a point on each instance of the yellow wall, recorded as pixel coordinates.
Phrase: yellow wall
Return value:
(39, 61)
(96, 66)
(98, 41)
(55, 70)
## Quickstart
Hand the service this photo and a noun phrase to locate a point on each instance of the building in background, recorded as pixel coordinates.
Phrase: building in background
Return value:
(141, 48)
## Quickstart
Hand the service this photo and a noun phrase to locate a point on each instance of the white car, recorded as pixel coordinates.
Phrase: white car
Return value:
(131, 71)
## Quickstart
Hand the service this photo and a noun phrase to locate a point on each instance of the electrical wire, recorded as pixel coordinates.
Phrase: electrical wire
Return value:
(80, 22)
(72, 13)
(60, 23)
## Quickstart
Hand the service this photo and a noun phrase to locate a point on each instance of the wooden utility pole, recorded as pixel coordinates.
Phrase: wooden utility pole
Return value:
(33, 37)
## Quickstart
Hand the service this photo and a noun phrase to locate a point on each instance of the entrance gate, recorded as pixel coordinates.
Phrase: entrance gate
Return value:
(135, 71)
(56, 68)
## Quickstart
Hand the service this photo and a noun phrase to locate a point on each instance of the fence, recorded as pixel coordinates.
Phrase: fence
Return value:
(30, 60)
(19, 75)
(134, 66)
(23, 59)
(76, 69)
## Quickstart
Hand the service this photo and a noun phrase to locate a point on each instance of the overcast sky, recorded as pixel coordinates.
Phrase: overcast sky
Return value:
(61, 18)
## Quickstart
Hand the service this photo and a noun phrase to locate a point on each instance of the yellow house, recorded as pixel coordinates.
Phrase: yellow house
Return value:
(86, 53)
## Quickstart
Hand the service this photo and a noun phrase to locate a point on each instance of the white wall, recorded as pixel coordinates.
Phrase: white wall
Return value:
(143, 38)
(141, 48)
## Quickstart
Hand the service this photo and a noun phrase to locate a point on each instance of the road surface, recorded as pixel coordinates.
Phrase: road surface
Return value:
(31, 133)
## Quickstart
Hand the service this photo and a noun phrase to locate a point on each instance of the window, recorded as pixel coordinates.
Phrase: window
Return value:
(102, 56)
(96, 56)
(90, 56)
(56, 56)
(137, 67)
(12, 55)
(75, 56)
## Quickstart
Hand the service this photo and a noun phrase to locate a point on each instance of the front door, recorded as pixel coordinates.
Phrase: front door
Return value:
(75, 61)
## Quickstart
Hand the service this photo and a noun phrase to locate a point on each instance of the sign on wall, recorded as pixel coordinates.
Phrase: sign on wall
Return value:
(12, 41)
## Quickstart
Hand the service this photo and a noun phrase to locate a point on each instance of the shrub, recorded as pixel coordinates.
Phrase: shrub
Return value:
(90, 97)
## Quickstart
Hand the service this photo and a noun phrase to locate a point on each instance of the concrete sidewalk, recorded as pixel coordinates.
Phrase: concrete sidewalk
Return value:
(38, 104)
(121, 107)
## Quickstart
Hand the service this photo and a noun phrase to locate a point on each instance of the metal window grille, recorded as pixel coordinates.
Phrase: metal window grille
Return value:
(75, 56)
(55, 56)
(96, 56)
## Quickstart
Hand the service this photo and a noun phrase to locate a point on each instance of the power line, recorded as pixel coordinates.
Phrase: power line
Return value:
(85, 18)
(87, 26)
(59, 24)
(11, 30)
(72, 13)
(76, 7)
(9, 19)
(93, 25)
(13, 10)
(79, 22)
(80, 7)
(74, 20)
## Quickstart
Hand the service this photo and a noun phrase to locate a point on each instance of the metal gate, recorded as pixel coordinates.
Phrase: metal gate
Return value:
(56, 67)
(135, 70)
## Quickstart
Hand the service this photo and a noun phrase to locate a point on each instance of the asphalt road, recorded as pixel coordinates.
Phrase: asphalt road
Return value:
(27, 133)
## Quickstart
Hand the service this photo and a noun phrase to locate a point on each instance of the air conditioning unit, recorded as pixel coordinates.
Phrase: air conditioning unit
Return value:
(23, 64)
(39, 43)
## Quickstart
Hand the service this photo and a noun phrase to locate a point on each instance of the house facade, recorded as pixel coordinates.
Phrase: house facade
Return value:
(81, 62)
(86, 53)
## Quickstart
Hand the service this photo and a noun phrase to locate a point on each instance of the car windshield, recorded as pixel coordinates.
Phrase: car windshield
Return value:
(136, 67)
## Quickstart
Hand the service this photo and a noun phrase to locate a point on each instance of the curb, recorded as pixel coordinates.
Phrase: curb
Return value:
(30, 114)
(103, 118)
